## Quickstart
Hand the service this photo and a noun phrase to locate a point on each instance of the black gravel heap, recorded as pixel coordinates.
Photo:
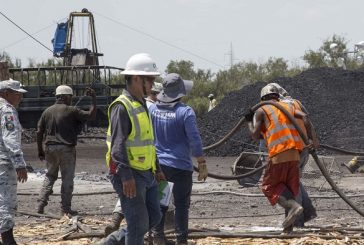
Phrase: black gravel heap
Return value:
(333, 97)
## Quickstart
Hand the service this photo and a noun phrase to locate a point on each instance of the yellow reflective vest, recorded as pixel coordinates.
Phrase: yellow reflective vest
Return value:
(140, 142)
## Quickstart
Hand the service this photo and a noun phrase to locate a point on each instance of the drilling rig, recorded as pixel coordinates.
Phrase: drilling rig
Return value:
(77, 66)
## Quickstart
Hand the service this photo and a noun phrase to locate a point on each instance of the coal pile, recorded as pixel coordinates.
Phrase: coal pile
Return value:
(333, 97)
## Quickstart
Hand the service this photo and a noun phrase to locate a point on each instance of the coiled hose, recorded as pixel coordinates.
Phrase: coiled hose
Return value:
(313, 154)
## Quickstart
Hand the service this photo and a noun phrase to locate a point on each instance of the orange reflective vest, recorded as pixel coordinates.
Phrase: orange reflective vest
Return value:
(279, 132)
(297, 106)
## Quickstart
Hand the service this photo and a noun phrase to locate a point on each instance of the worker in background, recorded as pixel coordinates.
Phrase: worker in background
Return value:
(12, 164)
(59, 126)
(177, 139)
(309, 211)
(131, 157)
(152, 97)
(212, 102)
(281, 178)
(117, 214)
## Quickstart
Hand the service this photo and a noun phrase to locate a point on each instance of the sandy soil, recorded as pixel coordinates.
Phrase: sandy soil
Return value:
(234, 209)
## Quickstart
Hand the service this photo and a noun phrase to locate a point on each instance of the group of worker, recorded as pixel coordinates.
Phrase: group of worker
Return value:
(141, 155)
(151, 138)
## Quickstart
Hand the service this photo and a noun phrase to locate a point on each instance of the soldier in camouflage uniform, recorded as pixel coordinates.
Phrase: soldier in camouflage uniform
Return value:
(12, 164)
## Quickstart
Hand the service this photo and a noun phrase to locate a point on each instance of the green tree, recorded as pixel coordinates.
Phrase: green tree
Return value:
(275, 67)
(183, 68)
(332, 53)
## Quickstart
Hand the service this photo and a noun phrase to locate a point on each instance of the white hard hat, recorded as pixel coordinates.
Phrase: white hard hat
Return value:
(281, 90)
(268, 89)
(141, 64)
(210, 96)
(333, 45)
(64, 89)
(157, 87)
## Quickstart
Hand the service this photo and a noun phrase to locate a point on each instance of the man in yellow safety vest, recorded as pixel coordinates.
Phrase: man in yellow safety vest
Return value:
(131, 155)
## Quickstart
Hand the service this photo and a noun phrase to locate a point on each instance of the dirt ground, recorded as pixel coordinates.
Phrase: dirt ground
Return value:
(223, 207)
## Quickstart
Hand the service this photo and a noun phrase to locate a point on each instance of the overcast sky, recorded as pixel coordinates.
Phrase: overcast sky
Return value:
(197, 30)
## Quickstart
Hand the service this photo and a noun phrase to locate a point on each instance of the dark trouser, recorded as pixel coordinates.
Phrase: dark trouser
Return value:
(309, 210)
(182, 189)
(141, 212)
(63, 158)
(303, 198)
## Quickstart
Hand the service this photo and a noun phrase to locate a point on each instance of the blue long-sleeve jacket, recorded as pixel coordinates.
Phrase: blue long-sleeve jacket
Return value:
(177, 137)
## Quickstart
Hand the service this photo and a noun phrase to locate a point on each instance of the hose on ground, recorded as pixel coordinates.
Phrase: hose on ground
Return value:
(265, 236)
(333, 148)
(262, 195)
(233, 177)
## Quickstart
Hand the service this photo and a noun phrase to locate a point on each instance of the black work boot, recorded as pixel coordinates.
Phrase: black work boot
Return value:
(40, 209)
(287, 201)
(309, 214)
(115, 223)
(68, 212)
(8, 237)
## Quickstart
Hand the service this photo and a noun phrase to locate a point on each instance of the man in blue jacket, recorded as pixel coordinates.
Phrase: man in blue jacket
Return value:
(177, 139)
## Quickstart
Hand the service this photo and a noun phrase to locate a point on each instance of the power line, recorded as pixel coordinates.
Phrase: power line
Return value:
(160, 40)
(22, 39)
(26, 32)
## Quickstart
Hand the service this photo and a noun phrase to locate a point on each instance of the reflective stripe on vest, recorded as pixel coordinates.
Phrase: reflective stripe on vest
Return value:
(280, 134)
(301, 124)
(140, 141)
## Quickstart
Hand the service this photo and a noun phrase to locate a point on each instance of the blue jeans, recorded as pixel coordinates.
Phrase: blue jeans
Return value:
(182, 189)
(141, 212)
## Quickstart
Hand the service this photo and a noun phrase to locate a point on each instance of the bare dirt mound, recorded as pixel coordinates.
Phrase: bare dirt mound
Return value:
(333, 97)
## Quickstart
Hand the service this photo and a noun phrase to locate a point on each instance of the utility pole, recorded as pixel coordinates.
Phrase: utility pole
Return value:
(231, 55)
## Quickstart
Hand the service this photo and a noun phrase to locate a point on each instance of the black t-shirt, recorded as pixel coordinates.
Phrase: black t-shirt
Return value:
(61, 124)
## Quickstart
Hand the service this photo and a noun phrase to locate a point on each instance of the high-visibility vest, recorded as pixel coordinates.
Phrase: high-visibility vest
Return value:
(298, 106)
(140, 142)
(279, 133)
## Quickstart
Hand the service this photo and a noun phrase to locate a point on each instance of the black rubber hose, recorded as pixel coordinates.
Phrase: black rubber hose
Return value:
(227, 136)
(313, 154)
(329, 147)
(233, 177)
(220, 142)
